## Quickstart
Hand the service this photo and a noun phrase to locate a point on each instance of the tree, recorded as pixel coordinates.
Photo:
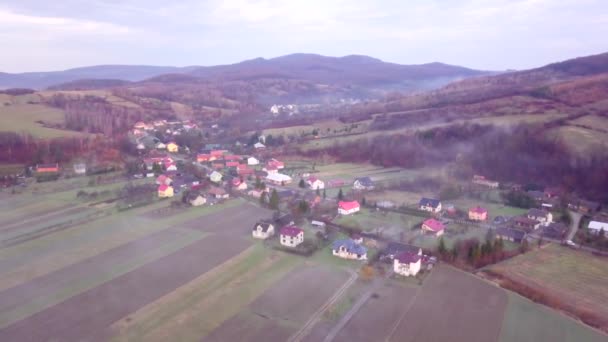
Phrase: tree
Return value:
(302, 183)
(303, 207)
(274, 199)
(340, 194)
(367, 272)
(524, 246)
(441, 249)
(318, 192)
(263, 198)
(156, 168)
(363, 201)
(324, 194)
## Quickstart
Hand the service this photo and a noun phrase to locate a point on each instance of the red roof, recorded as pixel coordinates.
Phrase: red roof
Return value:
(291, 231)
(407, 257)
(479, 210)
(434, 225)
(274, 162)
(348, 205)
(203, 157)
(232, 164)
(163, 187)
(236, 181)
(312, 179)
(217, 153)
(232, 157)
(271, 167)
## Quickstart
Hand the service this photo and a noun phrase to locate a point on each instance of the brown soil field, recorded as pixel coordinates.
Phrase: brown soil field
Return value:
(52, 283)
(63, 215)
(88, 315)
(284, 307)
(224, 221)
(10, 222)
(379, 314)
(453, 306)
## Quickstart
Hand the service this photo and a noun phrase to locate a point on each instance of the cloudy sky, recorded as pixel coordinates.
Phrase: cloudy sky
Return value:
(40, 35)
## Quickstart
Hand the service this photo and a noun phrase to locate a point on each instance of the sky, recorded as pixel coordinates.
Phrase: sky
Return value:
(42, 35)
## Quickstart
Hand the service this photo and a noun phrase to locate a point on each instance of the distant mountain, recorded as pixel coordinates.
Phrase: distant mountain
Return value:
(354, 70)
(89, 84)
(41, 80)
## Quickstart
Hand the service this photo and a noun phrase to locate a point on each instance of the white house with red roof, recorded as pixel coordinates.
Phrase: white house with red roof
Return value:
(170, 166)
(252, 161)
(433, 227)
(478, 214)
(276, 163)
(315, 183)
(348, 207)
(291, 236)
(163, 179)
(407, 263)
(238, 184)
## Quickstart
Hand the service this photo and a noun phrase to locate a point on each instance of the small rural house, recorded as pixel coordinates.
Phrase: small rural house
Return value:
(232, 164)
(270, 169)
(196, 199)
(555, 230)
(510, 234)
(256, 193)
(170, 166)
(363, 183)
(478, 214)
(163, 179)
(278, 178)
(536, 195)
(47, 168)
(215, 177)
(80, 168)
(315, 183)
(596, 227)
(395, 248)
(253, 161)
(433, 227)
(218, 193)
(349, 249)
(160, 146)
(263, 230)
(430, 205)
(348, 207)
(540, 215)
(276, 163)
(165, 191)
(204, 157)
(291, 236)
(259, 146)
(525, 223)
(407, 264)
(238, 184)
(172, 147)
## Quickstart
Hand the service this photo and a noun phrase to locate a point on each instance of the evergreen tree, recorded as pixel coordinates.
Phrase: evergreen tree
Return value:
(303, 207)
(318, 192)
(340, 194)
(263, 198)
(302, 183)
(156, 168)
(524, 246)
(363, 201)
(441, 248)
(324, 194)
(274, 199)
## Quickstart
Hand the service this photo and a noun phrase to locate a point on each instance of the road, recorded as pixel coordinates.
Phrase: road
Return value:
(576, 220)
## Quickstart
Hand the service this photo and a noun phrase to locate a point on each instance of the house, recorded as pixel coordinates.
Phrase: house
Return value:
(433, 227)
(232, 157)
(217, 166)
(510, 234)
(291, 236)
(170, 166)
(395, 248)
(478, 214)
(196, 200)
(204, 157)
(336, 183)
(218, 193)
(552, 192)
(363, 183)
(163, 179)
(407, 264)
(215, 177)
(315, 183)
(278, 179)
(253, 161)
(385, 204)
(481, 180)
(555, 230)
(349, 249)
(259, 146)
(312, 199)
(47, 168)
(276, 163)
(172, 147)
(588, 207)
(540, 215)
(165, 191)
(430, 205)
(596, 227)
(270, 169)
(244, 170)
(285, 220)
(348, 207)
(238, 184)
(263, 230)
(536, 195)
(80, 168)
(525, 223)
(140, 146)
(140, 125)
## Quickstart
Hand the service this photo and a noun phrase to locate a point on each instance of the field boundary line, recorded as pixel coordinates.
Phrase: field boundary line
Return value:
(407, 309)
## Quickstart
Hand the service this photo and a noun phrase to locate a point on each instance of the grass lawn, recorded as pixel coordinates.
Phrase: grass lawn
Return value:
(494, 209)
(577, 278)
(526, 321)
(23, 117)
(389, 223)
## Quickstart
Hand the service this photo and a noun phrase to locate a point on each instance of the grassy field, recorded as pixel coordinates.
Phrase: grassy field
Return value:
(595, 122)
(580, 139)
(577, 278)
(494, 209)
(23, 118)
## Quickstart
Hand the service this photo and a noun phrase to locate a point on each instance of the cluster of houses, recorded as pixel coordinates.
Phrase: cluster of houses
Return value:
(517, 228)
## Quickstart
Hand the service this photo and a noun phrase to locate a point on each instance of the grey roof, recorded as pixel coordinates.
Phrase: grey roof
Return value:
(264, 225)
(515, 234)
(537, 212)
(555, 230)
(394, 248)
(365, 181)
(429, 202)
(350, 245)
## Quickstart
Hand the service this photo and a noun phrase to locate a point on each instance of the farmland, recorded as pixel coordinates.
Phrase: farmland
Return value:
(23, 118)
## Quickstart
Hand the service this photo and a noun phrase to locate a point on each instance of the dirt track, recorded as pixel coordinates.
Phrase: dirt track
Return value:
(86, 317)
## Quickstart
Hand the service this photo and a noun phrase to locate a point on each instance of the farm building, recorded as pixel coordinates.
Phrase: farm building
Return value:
(196, 199)
(215, 177)
(597, 226)
(165, 191)
(540, 215)
(511, 234)
(47, 168)
(218, 193)
(291, 236)
(259, 146)
(430, 205)
(433, 227)
(407, 264)
(348, 207)
(349, 249)
(278, 179)
(363, 183)
(478, 214)
(80, 168)
(253, 161)
(315, 183)
(481, 180)
(263, 230)
(172, 147)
